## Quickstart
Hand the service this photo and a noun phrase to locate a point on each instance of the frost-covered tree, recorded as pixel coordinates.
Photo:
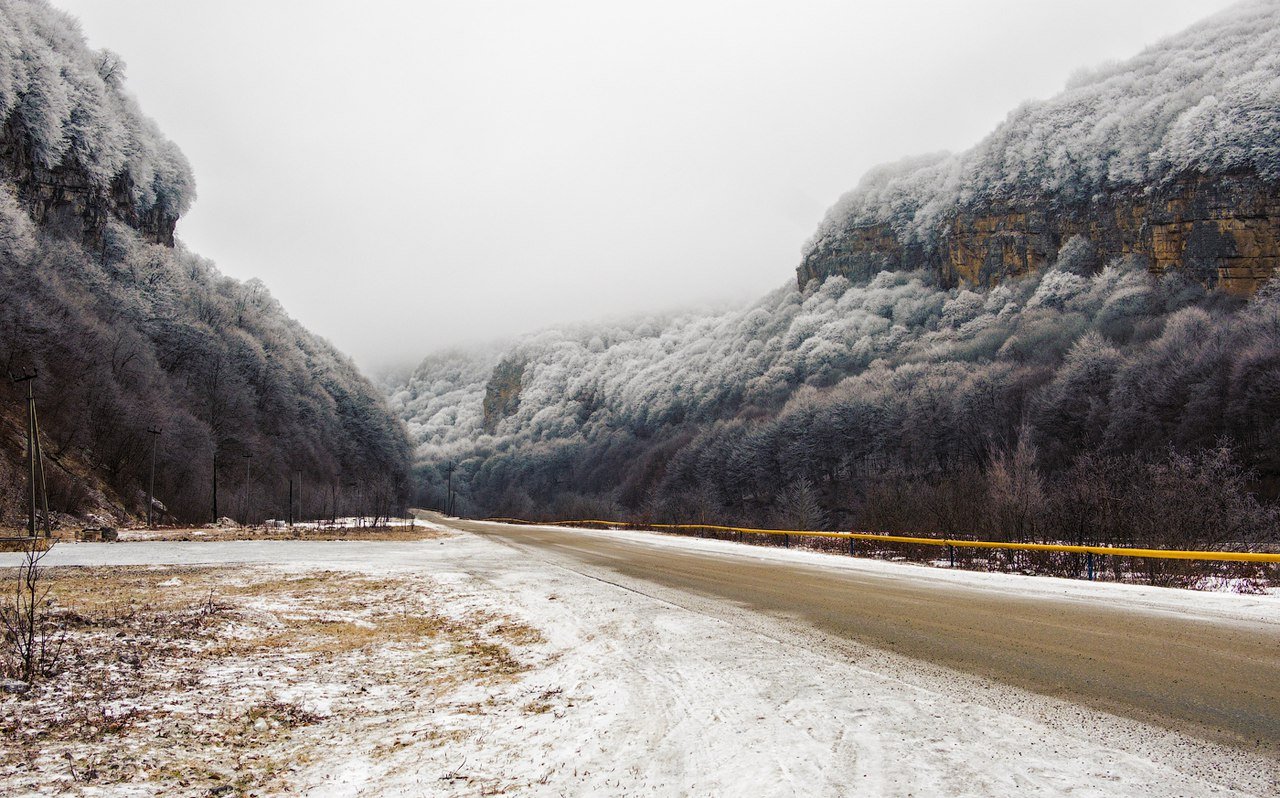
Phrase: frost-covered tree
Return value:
(799, 507)
(1015, 490)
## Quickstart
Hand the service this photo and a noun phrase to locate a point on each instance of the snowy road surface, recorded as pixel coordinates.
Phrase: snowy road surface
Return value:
(668, 686)
(1178, 665)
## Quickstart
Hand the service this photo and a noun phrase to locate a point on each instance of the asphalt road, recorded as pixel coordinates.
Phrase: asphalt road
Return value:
(1217, 680)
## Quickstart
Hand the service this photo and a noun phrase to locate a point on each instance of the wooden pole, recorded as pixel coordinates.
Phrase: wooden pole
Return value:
(33, 451)
(247, 458)
(448, 503)
(31, 461)
(151, 483)
(215, 484)
(44, 486)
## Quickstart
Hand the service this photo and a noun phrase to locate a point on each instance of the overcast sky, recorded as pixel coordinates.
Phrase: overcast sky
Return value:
(407, 176)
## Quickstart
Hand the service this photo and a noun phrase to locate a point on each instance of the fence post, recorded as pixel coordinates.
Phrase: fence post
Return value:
(786, 541)
(951, 550)
(1089, 560)
(852, 542)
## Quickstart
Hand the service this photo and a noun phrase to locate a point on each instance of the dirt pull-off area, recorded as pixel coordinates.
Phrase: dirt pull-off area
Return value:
(244, 680)
(397, 530)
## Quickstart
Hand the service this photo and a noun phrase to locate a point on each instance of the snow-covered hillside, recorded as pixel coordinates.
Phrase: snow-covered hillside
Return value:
(1204, 101)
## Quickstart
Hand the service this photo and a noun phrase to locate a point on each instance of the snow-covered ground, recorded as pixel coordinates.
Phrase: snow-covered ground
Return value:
(641, 690)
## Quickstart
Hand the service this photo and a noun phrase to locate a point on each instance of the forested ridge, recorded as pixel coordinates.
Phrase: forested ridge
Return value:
(130, 332)
(1093, 400)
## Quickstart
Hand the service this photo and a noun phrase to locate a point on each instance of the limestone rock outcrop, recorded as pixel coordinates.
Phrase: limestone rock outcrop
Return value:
(1172, 156)
(1222, 230)
(502, 393)
(65, 198)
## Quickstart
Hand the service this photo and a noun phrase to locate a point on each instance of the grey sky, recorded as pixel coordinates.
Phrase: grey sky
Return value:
(407, 176)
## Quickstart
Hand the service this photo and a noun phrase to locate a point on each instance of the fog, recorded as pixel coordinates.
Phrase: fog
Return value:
(410, 176)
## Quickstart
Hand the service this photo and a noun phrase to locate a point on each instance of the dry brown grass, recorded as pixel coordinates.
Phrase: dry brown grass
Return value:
(100, 595)
(334, 636)
(171, 676)
(543, 703)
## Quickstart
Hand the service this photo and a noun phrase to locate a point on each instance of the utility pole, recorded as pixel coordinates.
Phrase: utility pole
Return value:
(29, 379)
(151, 483)
(448, 502)
(302, 515)
(247, 457)
(215, 483)
(35, 460)
(291, 500)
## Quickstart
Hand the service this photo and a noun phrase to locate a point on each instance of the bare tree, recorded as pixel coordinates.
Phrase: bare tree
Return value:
(1015, 490)
(799, 507)
(32, 639)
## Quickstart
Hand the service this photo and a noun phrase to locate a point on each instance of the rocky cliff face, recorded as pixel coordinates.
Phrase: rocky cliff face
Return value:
(1169, 156)
(67, 200)
(76, 150)
(1222, 230)
(502, 393)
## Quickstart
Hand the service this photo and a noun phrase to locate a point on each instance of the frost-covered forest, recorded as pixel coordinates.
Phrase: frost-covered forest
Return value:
(128, 335)
(1206, 101)
(890, 405)
(1087, 401)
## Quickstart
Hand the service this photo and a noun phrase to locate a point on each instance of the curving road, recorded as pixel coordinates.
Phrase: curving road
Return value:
(1217, 679)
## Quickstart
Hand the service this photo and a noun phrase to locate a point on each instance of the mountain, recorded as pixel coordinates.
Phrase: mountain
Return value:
(130, 331)
(1172, 156)
(1042, 338)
